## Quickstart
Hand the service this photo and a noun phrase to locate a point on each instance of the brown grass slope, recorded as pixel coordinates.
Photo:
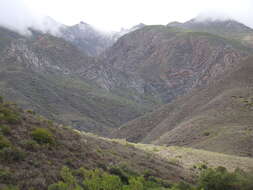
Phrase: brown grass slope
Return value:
(30, 162)
(216, 118)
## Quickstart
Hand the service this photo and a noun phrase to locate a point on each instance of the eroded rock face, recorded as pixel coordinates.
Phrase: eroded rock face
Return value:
(165, 62)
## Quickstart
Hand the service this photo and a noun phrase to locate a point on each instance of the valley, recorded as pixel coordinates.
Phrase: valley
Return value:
(151, 107)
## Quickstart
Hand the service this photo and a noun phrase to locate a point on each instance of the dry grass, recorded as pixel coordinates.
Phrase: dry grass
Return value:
(190, 158)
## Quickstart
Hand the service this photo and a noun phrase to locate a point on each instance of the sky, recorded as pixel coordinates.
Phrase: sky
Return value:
(116, 14)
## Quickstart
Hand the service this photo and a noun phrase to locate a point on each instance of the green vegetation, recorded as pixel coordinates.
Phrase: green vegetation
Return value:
(12, 154)
(1, 100)
(4, 142)
(101, 180)
(221, 179)
(209, 179)
(43, 136)
(5, 176)
(8, 115)
(10, 187)
(5, 130)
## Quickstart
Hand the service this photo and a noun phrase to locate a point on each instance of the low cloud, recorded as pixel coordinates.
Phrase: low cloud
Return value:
(15, 15)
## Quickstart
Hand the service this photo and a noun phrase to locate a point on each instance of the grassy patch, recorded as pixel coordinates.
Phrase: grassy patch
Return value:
(43, 136)
(4, 142)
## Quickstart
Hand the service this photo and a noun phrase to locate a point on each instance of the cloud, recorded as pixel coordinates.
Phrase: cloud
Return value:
(17, 16)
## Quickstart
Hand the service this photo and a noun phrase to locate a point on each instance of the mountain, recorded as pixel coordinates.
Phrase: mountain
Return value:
(144, 68)
(217, 117)
(51, 76)
(226, 28)
(124, 31)
(203, 78)
(164, 62)
(87, 38)
(91, 40)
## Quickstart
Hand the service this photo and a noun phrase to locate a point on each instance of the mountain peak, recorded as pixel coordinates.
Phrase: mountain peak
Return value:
(221, 27)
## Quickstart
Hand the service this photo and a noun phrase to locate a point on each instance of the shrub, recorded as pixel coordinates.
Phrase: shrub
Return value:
(206, 133)
(6, 114)
(1, 100)
(10, 187)
(119, 172)
(4, 142)
(96, 180)
(5, 130)
(10, 154)
(31, 112)
(42, 136)
(5, 176)
(135, 183)
(217, 179)
(69, 181)
(30, 145)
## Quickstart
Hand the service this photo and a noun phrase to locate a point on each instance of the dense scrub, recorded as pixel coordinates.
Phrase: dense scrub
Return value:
(209, 179)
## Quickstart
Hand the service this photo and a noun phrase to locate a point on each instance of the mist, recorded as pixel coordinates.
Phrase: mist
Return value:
(112, 15)
(17, 16)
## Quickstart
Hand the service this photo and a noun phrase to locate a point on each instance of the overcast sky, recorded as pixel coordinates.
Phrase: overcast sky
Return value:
(115, 14)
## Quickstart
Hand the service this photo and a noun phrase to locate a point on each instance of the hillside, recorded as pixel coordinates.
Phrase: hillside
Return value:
(51, 76)
(216, 118)
(229, 29)
(87, 38)
(164, 62)
(33, 150)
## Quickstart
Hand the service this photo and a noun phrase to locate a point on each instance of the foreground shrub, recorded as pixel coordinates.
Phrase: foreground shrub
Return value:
(10, 187)
(30, 145)
(97, 179)
(8, 115)
(43, 136)
(5, 130)
(4, 142)
(221, 179)
(10, 154)
(5, 176)
(68, 182)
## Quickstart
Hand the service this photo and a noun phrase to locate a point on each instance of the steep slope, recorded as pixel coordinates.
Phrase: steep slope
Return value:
(165, 62)
(33, 150)
(87, 38)
(216, 118)
(226, 28)
(91, 40)
(53, 77)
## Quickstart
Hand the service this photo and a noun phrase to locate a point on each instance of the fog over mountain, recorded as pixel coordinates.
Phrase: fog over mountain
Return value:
(16, 15)
(19, 15)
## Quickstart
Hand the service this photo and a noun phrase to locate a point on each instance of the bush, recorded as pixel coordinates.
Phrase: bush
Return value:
(69, 181)
(43, 136)
(119, 172)
(5, 130)
(217, 179)
(30, 145)
(10, 154)
(31, 112)
(5, 176)
(4, 142)
(10, 187)
(1, 100)
(97, 179)
(6, 114)
(206, 133)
